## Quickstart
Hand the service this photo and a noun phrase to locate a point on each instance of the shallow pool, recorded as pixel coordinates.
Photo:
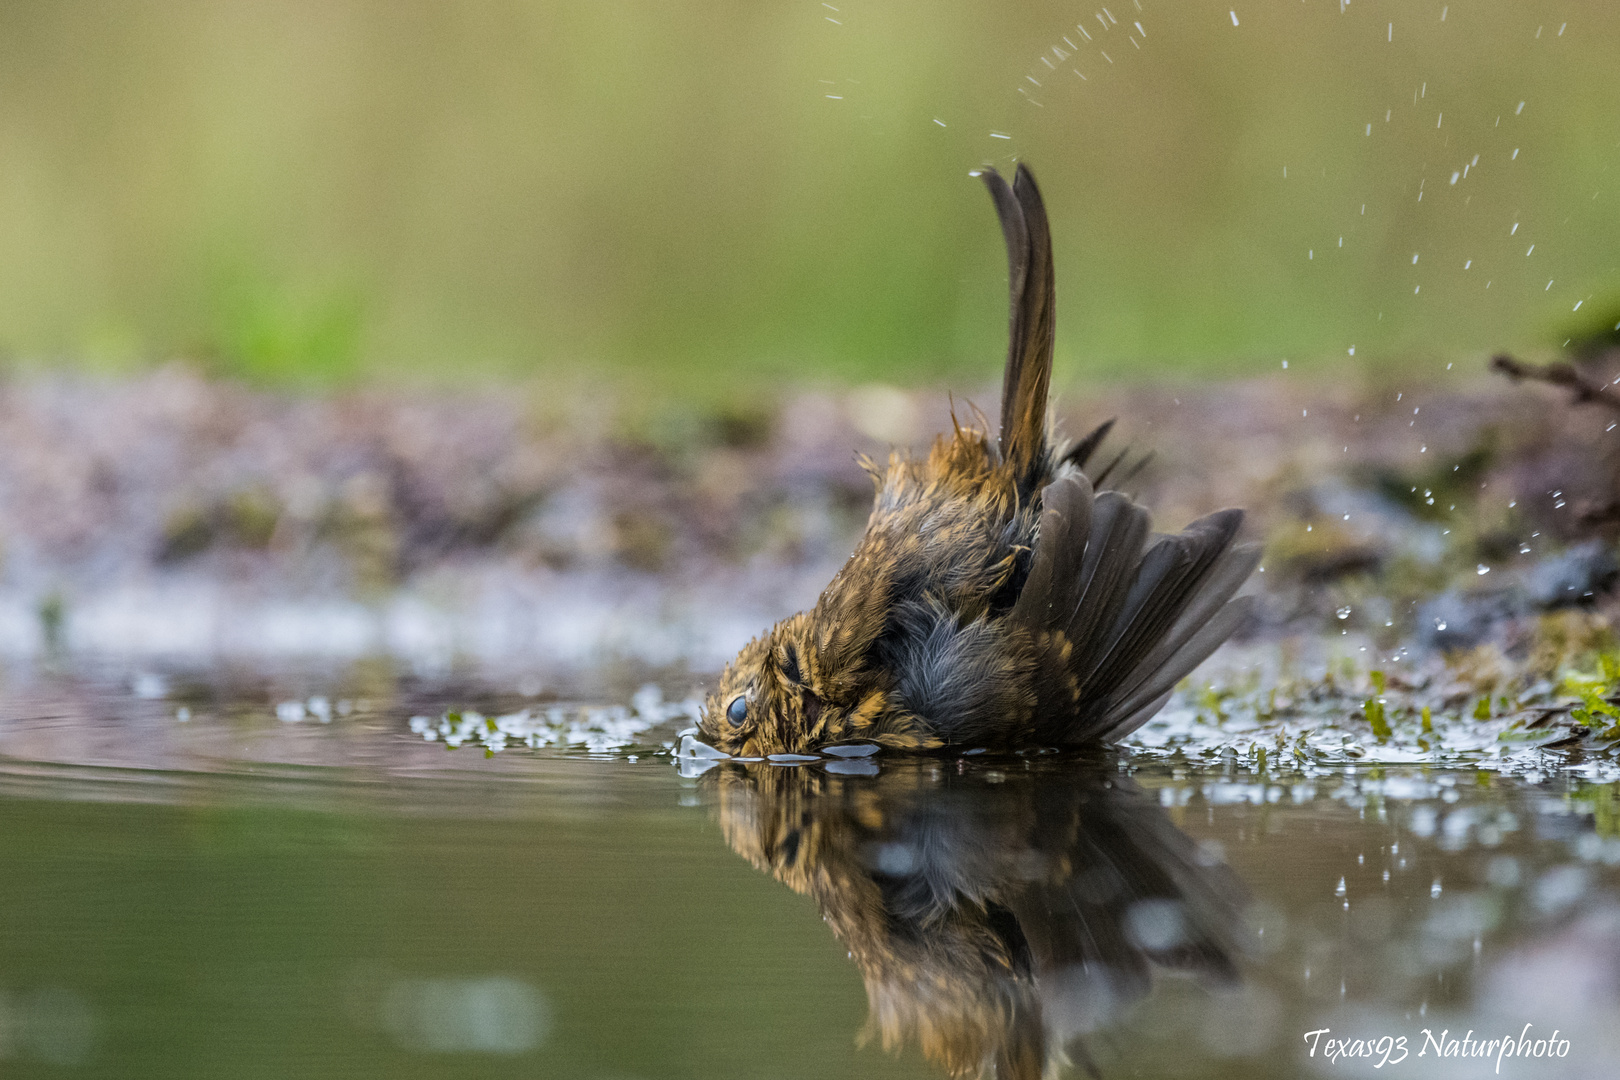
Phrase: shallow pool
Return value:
(322, 875)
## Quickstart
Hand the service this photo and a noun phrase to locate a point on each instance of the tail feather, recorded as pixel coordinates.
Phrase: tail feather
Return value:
(1121, 621)
(1031, 322)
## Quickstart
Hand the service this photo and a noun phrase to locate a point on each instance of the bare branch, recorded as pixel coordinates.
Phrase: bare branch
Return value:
(1583, 386)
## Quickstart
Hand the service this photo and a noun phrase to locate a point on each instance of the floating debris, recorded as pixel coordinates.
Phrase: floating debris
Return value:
(596, 729)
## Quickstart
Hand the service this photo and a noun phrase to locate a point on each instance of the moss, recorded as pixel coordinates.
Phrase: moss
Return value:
(1374, 710)
(249, 518)
(188, 532)
(1570, 639)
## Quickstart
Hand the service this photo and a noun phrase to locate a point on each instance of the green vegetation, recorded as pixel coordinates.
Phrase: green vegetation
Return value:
(1598, 693)
(1374, 708)
(699, 198)
(1466, 705)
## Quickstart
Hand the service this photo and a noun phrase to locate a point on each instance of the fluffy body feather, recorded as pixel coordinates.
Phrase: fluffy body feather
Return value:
(995, 599)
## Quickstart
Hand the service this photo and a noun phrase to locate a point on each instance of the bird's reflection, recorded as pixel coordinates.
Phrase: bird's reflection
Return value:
(999, 911)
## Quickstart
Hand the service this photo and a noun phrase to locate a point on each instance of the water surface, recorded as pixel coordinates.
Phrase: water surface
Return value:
(231, 879)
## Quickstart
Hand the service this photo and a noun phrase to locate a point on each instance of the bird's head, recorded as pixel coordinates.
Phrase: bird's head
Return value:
(767, 700)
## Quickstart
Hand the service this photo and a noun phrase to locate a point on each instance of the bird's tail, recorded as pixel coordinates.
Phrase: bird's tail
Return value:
(1029, 352)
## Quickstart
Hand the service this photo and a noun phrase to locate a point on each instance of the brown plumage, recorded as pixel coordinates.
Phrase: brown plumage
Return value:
(995, 599)
(996, 919)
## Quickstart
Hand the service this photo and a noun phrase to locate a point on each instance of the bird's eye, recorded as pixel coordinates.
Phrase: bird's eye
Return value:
(737, 711)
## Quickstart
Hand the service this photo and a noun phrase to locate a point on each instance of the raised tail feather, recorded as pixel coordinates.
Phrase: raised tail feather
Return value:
(1032, 325)
(1123, 620)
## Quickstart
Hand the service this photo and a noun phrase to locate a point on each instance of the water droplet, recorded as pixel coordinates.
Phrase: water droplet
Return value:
(1344, 612)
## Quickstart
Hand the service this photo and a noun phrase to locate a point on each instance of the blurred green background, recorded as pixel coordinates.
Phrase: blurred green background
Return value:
(715, 194)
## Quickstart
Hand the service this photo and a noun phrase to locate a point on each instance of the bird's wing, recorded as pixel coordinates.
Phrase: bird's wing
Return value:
(1118, 621)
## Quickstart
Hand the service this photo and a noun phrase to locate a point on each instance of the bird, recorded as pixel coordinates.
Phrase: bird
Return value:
(996, 598)
(998, 917)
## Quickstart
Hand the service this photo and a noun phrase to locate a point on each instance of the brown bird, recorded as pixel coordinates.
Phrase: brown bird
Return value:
(994, 600)
(997, 918)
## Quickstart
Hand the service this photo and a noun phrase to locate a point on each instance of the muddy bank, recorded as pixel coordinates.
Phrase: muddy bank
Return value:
(172, 516)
